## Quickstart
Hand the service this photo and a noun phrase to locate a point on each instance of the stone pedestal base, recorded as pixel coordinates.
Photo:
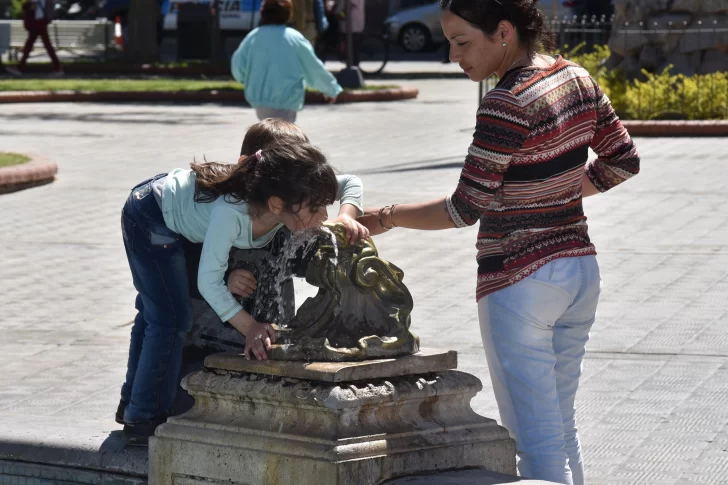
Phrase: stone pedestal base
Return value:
(254, 429)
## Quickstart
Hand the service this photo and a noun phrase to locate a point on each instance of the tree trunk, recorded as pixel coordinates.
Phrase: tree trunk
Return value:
(142, 46)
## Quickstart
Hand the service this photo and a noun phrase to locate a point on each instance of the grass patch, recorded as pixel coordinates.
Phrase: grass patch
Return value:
(123, 63)
(136, 85)
(106, 85)
(8, 159)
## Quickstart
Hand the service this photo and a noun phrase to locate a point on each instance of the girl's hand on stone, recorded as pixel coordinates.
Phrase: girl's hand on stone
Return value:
(258, 336)
(241, 282)
(355, 231)
(258, 340)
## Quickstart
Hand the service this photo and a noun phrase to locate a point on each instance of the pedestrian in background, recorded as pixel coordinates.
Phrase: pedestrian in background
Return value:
(275, 63)
(303, 19)
(309, 18)
(37, 15)
(322, 20)
(358, 21)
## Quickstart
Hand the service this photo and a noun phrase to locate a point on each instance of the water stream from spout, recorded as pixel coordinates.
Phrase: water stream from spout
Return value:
(299, 244)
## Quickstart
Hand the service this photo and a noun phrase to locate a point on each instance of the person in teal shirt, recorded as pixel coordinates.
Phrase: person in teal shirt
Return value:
(275, 63)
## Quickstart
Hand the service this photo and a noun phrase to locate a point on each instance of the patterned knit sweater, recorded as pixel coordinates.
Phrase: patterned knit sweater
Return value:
(522, 176)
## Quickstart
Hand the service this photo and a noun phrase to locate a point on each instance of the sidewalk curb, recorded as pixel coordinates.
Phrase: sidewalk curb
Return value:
(636, 128)
(677, 128)
(38, 171)
(212, 96)
(209, 70)
(127, 69)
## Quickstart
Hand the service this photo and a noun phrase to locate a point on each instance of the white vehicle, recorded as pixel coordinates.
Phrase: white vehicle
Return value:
(418, 29)
(237, 15)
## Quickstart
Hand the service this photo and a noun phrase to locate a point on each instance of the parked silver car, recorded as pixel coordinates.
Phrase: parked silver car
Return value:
(418, 29)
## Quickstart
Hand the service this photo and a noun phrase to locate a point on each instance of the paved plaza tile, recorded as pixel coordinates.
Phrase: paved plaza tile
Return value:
(653, 404)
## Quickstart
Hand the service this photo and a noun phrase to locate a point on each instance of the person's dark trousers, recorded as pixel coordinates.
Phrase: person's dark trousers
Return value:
(157, 262)
(160, 30)
(39, 28)
(355, 43)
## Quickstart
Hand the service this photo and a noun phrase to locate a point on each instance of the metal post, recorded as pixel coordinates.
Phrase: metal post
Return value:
(484, 86)
(349, 37)
(215, 39)
(252, 13)
(350, 77)
(105, 24)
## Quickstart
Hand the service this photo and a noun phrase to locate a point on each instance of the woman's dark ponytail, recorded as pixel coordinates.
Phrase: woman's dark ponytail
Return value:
(525, 16)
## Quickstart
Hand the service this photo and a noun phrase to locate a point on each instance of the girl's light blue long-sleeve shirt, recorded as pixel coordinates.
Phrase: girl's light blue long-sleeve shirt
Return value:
(275, 63)
(222, 225)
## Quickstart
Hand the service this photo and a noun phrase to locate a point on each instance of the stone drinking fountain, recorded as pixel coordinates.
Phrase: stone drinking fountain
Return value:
(346, 397)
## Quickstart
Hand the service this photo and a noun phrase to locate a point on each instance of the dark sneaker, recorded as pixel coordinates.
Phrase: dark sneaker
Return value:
(137, 434)
(120, 411)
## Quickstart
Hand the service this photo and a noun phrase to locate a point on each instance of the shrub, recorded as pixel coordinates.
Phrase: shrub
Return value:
(16, 9)
(657, 95)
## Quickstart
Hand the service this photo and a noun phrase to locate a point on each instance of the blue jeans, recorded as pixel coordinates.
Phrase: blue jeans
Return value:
(534, 333)
(157, 262)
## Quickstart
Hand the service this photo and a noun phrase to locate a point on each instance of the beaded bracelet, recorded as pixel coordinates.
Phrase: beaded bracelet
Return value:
(391, 215)
(381, 222)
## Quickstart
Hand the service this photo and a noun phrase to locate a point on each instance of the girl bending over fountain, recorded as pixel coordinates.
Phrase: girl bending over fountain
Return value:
(222, 206)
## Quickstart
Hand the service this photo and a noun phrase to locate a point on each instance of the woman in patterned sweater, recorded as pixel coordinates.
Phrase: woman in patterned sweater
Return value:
(524, 178)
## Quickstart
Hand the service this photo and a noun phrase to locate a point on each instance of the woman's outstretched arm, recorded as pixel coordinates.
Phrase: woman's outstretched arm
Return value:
(501, 129)
(432, 215)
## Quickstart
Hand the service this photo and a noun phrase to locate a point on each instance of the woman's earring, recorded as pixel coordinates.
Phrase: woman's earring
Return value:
(504, 44)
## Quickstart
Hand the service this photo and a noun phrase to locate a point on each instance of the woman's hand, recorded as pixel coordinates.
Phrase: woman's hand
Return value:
(241, 282)
(370, 220)
(426, 216)
(355, 231)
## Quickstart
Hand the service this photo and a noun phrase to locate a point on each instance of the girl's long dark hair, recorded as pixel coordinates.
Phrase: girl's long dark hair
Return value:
(296, 173)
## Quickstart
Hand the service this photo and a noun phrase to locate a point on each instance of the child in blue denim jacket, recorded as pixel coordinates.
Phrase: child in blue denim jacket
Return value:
(286, 184)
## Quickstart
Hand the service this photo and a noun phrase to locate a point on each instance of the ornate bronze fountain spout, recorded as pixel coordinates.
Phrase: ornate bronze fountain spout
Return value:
(362, 309)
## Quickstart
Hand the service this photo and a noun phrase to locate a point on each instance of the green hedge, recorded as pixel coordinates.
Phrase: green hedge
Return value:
(658, 95)
(16, 9)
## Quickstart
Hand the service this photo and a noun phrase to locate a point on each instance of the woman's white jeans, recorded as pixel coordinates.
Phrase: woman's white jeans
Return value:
(534, 333)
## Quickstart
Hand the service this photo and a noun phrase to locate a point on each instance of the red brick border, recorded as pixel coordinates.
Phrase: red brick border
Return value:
(677, 128)
(212, 96)
(121, 68)
(37, 171)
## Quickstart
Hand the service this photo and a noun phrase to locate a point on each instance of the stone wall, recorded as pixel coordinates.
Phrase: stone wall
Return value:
(692, 35)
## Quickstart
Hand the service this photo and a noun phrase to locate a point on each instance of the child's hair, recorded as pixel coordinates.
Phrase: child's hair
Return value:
(269, 131)
(275, 12)
(297, 173)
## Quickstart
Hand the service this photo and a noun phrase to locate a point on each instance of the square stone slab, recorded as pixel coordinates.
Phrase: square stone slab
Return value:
(423, 362)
